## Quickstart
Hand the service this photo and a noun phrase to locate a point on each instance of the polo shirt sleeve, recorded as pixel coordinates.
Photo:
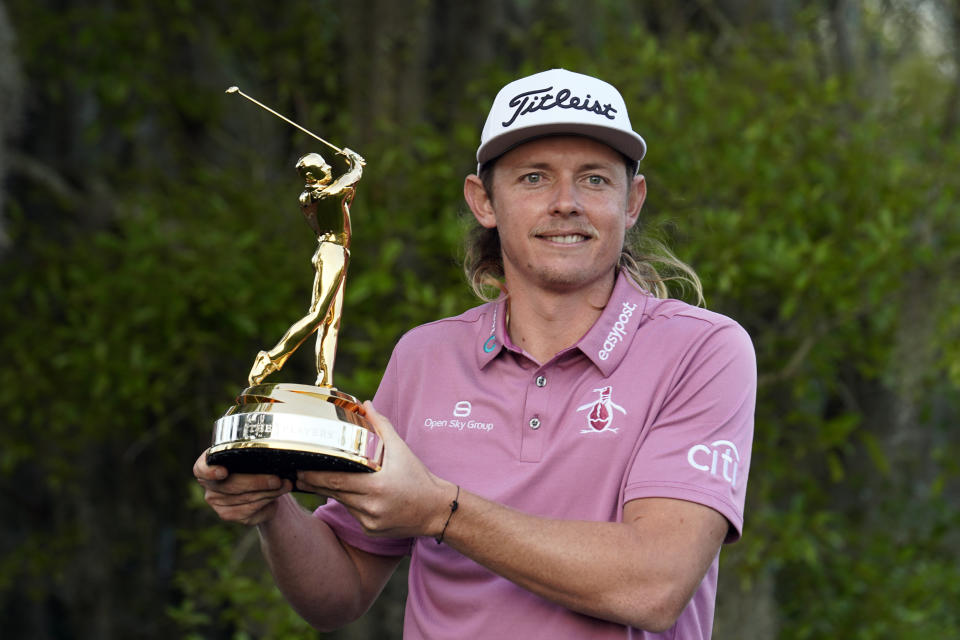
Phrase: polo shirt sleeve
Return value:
(336, 515)
(699, 444)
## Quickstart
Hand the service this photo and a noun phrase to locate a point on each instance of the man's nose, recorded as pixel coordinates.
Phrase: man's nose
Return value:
(566, 200)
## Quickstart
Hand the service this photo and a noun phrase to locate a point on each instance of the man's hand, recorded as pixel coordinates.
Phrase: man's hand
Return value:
(352, 156)
(243, 497)
(401, 500)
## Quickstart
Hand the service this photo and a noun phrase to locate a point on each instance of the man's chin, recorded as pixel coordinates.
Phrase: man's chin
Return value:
(572, 280)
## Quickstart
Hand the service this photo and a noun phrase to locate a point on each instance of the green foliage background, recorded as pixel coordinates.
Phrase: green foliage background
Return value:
(155, 245)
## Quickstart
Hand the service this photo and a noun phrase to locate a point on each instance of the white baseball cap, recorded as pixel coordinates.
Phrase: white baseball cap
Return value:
(558, 102)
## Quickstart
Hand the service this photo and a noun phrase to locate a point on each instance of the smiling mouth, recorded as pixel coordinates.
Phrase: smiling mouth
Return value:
(571, 238)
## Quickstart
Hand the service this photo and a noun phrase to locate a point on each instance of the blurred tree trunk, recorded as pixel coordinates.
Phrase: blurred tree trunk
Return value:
(952, 107)
(407, 63)
(10, 101)
(840, 15)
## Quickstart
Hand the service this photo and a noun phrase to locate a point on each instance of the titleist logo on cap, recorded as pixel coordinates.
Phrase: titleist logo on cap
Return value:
(543, 100)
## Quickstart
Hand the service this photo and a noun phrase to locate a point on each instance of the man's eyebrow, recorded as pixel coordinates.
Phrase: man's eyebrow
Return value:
(534, 165)
(593, 166)
(590, 166)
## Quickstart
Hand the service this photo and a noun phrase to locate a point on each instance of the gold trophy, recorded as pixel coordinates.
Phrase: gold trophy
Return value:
(284, 428)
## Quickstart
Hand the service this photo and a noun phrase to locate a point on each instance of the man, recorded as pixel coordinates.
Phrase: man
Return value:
(563, 462)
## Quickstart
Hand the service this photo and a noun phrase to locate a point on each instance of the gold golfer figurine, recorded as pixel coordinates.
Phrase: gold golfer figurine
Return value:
(325, 204)
(284, 428)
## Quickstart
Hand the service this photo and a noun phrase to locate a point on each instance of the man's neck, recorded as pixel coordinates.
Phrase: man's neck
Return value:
(544, 323)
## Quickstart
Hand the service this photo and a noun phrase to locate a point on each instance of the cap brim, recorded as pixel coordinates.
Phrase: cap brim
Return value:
(629, 144)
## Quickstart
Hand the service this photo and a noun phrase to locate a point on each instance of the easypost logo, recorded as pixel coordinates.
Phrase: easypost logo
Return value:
(720, 459)
(619, 331)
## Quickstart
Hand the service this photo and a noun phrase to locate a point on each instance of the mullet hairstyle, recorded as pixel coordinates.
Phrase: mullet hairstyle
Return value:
(648, 262)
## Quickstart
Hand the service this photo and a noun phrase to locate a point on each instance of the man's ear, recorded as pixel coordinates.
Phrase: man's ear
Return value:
(479, 201)
(635, 198)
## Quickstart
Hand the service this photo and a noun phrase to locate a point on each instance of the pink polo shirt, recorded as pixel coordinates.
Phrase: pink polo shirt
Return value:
(656, 400)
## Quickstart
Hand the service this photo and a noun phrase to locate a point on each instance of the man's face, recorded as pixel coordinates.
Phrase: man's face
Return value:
(562, 206)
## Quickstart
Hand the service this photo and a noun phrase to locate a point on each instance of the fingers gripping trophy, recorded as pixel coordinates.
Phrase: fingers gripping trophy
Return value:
(285, 428)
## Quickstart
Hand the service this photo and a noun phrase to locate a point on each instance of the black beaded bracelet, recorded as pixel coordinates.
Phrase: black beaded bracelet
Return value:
(453, 507)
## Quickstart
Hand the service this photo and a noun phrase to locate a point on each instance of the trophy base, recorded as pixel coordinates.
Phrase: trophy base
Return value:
(280, 429)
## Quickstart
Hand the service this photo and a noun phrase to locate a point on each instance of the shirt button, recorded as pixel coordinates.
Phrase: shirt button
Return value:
(534, 423)
(541, 381)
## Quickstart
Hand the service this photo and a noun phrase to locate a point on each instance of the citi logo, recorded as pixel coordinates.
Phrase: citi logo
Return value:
(618, 332)
(720, 459)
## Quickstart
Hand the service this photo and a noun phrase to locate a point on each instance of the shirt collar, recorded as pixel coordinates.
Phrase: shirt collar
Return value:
(492, 332)
(605, 344)
(608, 340)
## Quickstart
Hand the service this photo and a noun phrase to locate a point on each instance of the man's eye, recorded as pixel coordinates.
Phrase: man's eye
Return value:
(597, 180)
(532, 178)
